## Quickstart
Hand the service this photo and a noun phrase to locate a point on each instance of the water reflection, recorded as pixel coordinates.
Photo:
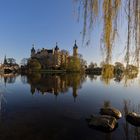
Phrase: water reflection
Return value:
(60, 83)
(8, 78)
(55, 84)
(92, 77)
(106, 77)
(45, 118)
(131, 132)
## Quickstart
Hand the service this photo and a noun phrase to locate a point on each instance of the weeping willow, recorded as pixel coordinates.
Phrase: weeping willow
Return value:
(107, 73)
(90, 10)
(136, 15)
(129, 32)
(108, 11)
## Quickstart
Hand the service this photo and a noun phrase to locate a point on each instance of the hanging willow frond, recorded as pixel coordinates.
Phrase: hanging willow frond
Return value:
(107, 10)
(90, 13)
(136, 29)
(127, 56)
(110, 9)
(110, 12)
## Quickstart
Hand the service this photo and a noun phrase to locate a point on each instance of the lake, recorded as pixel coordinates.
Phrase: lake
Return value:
(52, 107)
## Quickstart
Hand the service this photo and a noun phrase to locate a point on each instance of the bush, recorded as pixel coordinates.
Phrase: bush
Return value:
(34, 64)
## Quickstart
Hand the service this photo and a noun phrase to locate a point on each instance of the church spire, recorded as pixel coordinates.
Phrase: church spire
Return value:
(75, 45)
(75, 42)
(5, 60)
(33, 50)
(56, 47)
(75, 50)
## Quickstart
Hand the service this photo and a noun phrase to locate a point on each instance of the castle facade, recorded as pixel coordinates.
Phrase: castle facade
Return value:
(53, 58)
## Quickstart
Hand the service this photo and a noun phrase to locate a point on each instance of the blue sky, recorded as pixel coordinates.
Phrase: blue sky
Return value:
(42, 22)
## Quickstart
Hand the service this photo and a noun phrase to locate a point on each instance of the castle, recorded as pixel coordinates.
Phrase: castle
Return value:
(53, 58)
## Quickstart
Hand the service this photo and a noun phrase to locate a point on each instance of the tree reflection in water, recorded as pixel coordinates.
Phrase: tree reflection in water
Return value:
(128, 76)
(8, 78)
(54, 83)
(5, 78)
(57, 84)
(107, 73)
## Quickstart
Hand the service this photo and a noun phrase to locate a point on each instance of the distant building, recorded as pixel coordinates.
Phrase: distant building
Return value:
(9, 65)
(53, 58)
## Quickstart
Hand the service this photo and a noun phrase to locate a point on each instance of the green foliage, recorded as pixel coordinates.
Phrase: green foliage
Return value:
(107, 73)
(34, 64)
(74, 64)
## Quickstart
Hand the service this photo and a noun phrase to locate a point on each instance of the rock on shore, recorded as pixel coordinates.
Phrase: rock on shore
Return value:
(111, 112)
(133, 118)
(102, 122)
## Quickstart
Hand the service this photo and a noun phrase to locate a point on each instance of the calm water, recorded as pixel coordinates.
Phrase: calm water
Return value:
(53, 107)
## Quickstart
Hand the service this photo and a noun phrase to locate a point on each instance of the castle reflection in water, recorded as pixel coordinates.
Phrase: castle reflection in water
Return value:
(39, 118)
(49, 83)
(55, 84)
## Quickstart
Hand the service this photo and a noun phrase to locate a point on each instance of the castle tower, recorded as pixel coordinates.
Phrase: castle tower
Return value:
(56, 48)
(33, 51)
(75, 50)
(57, 60)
